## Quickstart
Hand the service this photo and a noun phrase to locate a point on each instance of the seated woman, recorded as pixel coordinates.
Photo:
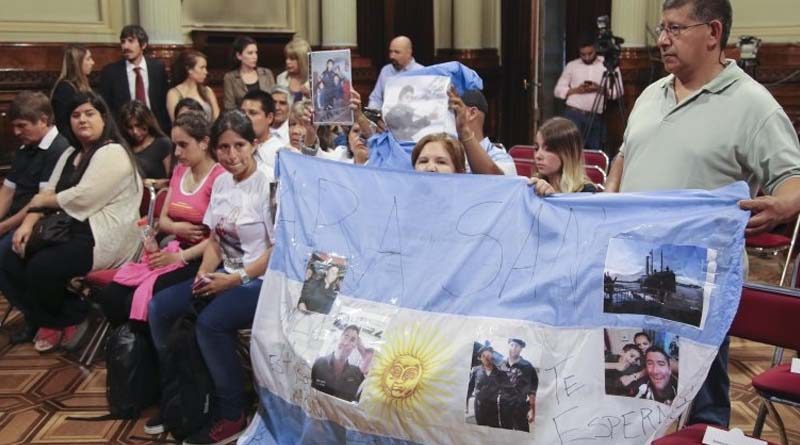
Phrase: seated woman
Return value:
(295, 78)
(98, 188)
(229, 277)
(247, 76)
(185, 205)
(622, 375)
(149, 144)
(189, 72)
(439, 153)
(74, 77)
(559, 159)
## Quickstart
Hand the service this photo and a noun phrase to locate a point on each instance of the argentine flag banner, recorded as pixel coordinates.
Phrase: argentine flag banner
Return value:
(416, 308)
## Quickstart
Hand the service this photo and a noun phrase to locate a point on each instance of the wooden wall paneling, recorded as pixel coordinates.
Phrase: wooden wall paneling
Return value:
(412, 18)
(218, 47)
(582, 18)
(519, 30)
(372, 36)
(36, 66)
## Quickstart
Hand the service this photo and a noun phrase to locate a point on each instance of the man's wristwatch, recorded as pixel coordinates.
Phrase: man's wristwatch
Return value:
(243, 276)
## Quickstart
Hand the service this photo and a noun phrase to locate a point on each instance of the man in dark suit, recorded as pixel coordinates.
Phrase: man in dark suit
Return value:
(33, 124)
(136, 77)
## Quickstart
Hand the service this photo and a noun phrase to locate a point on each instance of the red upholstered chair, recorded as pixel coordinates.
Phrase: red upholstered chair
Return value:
(524, 152)
(596, 157)
(596, 175)
(524, 168)
(150, 207)
(766, 314)
(523, 159)
(769, 314)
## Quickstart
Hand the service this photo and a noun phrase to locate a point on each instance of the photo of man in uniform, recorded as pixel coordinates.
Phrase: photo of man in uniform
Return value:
(333, 374)
(518, 400)
(485, 383)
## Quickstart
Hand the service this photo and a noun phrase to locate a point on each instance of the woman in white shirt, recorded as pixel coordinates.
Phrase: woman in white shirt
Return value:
(229, 277)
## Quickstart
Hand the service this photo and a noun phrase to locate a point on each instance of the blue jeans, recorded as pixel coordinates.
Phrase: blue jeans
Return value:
(217, 333)
(712, 404)
(596, 139)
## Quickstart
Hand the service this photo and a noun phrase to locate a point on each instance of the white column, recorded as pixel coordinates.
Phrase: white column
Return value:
(339, 25)
(491, 24)
(653, 19)
(468, 24)
(628, 20)
(443, 20)
(162, 19)
(312, 31)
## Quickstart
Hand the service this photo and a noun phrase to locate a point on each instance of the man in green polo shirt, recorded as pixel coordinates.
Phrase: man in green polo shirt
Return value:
(706, 125)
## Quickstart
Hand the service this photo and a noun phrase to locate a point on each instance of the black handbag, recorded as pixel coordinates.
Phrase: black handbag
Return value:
(51, 229)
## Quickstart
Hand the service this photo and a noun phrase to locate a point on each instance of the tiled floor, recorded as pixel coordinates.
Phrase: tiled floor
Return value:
(39, 392)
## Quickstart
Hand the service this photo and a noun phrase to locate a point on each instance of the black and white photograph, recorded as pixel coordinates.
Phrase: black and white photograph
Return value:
(416, 106)
(331, 80)
(323, 278)
(641, 363)
(502, 385)
(663, 280)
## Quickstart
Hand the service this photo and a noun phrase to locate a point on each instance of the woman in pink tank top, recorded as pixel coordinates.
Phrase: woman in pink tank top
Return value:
(186, 202)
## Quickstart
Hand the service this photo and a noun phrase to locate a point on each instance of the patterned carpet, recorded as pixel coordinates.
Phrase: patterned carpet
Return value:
(38, 392)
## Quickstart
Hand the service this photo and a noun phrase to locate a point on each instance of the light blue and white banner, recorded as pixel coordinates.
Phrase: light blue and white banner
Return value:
(404, 307)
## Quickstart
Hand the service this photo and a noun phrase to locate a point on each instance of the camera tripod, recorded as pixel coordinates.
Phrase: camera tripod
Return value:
(610, 83)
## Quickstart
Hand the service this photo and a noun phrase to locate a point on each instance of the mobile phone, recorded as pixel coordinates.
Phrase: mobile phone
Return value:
(200, 282)
(372, 114)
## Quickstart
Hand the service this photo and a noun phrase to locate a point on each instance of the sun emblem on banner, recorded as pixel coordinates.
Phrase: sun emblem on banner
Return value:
(411, 377)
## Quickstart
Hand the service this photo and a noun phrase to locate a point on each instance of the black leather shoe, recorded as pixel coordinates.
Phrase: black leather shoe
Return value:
(24, 334)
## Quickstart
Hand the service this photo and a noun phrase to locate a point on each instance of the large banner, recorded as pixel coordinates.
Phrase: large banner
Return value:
(405, 307)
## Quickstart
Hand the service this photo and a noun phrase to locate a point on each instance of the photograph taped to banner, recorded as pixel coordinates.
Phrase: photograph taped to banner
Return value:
(450, 260)
(663, 280)
(324, 274)
(415, 106)
(331, 81)
(642, 363)
(346, 355)
(502, 388)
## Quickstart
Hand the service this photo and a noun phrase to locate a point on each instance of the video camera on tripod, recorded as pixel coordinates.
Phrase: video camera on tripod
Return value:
(608, 45)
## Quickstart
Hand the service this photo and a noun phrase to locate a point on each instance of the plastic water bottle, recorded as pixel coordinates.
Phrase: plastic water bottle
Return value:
(148, 236)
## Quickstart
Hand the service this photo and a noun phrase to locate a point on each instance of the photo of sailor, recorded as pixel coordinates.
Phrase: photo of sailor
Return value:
(501, 392)
(323, 278)
(642, 364)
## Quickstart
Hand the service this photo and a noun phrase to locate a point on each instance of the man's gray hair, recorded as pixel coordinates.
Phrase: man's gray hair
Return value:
(280, 89)
(706, 11)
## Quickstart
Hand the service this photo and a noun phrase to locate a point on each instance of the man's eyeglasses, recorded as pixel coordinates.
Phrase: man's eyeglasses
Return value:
(675, 30)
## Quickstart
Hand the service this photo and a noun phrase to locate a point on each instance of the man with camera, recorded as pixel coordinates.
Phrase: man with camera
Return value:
(580, 85)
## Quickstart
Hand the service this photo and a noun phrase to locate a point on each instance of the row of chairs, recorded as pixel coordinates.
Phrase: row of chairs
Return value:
(596, 163)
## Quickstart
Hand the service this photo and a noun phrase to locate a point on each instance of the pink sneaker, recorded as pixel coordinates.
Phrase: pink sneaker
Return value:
(73, 335)
(47, 339)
